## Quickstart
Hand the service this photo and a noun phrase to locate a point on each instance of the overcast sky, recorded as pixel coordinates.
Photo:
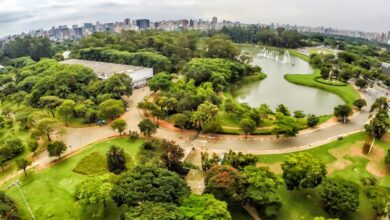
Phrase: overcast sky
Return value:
(368, 15)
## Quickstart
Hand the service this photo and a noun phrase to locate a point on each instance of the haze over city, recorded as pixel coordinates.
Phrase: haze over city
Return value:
(23, 15)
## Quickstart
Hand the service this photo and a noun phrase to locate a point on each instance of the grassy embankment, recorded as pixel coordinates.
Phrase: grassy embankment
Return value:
(343, 159)
(346, 92)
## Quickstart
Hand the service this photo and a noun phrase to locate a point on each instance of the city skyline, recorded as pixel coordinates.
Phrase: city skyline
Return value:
(21, 16)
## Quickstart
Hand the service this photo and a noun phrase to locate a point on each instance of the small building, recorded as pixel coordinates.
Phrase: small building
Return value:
(385, 67)
(104, 70)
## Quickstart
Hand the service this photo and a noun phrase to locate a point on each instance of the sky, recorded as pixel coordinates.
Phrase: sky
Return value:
(17, 16)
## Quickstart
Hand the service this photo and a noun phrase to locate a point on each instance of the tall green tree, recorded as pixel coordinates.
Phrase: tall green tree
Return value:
(248, 126)
(120, 125)
(340, 196)
(56, 149)
(303, 171)
(160, 81)
(147, 127)
(66, 110)
(204, 207)
(140, 185)
(23, 164)
(110, 109)
(116, 160)
(95, 189)
(342, 112)
(9, 209)
(50, 103)
(262, 189)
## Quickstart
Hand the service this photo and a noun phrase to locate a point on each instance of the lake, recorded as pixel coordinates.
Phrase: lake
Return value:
(275, 90)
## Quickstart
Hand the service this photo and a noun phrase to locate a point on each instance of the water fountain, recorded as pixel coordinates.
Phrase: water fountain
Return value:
(286, 58)
(274, 55)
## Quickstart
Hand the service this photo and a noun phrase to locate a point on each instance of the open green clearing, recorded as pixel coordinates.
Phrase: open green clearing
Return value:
(51, 192)
(305, 204)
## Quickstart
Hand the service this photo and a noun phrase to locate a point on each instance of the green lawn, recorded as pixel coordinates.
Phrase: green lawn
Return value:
(50, 192)
(305, 204)
(347, 93)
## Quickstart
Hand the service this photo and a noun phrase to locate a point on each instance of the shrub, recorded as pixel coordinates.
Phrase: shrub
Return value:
(93, 164)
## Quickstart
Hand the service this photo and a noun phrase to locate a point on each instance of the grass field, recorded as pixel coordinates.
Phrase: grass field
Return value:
(347, 93)
(305, 204)
(50, 192)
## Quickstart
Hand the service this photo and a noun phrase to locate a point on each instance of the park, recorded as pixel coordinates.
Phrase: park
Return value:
(235, 117)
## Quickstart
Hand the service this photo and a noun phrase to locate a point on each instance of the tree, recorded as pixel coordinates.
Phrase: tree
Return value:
(33, 146)
(361, 83)
(283, 109)
(23, 164)
(95, 190)
(153, 211)
(286, 125)
(220, 46)
(46, 127)
(303, 170)
(205, 113)
(110, 109)
(207, 161)
(116, 160)
(212, 127)
(225, 183)
(120, 125)
(299, 114)
(359, 103)
(147, 127)
(340, 196)
(342, 112)
(312, 120)
(50, 103)
(66, 110)
(172, 155)
(56, 148)
(262, 188)
(8, 208)
(204, 207)
(379, 197)
(379, 124)
(238, 160)
(160, 81)
(248, 126)
(147, 183)
(180, 120)
(119, 84)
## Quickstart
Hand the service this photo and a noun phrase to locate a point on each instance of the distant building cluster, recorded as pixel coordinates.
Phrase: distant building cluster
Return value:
(64, 32)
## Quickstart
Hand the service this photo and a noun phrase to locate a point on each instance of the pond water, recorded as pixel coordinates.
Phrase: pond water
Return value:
(275, 90)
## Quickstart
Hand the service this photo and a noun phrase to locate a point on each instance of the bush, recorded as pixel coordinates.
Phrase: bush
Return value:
(212, 127)
(93, 164)
(133, 135)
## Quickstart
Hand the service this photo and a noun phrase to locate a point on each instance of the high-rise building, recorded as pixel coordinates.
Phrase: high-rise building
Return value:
(127, 21)
(214, 20)
(143, 23)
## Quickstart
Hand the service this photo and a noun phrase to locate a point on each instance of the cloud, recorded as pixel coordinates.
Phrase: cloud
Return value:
(23, 15)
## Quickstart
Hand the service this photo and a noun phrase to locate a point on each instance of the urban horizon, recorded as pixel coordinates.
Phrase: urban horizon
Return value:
(175, 24)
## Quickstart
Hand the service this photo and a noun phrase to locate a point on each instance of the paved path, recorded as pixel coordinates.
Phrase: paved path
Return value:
(78, 138)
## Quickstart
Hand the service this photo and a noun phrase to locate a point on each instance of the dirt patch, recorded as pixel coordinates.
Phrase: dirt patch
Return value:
(386, 137)
(275, 167)
(376, 166)
(339, 164)
(357, 150)
(339, 152)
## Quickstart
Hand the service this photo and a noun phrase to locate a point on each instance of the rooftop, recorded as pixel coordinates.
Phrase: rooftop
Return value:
(104, 70)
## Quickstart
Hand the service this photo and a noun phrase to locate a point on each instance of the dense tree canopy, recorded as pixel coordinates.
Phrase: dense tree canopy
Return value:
(146, 183)
(303, 170)
(8, 208)
(204, 207)
(340, 196)
(225, 183)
